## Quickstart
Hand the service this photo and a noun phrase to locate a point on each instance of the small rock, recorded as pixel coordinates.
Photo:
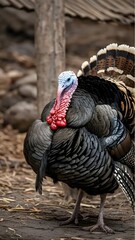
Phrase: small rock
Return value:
(14, 74)
(28, 91)
(9, 99)
(4, 80)
(30, 79)
(21, 115)
(2, 93)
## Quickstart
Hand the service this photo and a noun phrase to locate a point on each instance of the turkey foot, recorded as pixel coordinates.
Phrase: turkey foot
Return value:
(76, 213)
(73, 219)
(103, 227)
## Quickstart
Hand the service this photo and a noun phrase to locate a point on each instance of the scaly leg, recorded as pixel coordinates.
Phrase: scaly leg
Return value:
(100, 222)
(76, 211)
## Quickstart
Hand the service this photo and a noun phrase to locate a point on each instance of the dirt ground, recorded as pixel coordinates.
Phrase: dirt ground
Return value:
(24, 214)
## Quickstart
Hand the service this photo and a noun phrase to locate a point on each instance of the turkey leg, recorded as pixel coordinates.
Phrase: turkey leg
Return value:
(100, 222)
(75, 215)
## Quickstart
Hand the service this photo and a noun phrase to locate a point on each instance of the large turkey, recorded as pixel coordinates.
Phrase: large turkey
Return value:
(85, 135)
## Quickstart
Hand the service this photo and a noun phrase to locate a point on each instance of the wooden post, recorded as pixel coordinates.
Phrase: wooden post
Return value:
(50, 48)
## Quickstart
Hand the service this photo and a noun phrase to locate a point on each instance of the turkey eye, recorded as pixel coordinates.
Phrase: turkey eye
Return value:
(68, 79)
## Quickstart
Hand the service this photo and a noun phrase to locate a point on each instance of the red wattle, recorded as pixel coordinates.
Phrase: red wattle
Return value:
(53, 126)
(61, 115)
(52, 111)
(57, 115)
(49, 120)
(61, 123)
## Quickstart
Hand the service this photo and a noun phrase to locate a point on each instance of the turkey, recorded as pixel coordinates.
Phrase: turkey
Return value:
(85, 135)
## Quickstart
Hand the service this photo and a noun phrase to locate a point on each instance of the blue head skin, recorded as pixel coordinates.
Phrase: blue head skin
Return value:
(66, 80)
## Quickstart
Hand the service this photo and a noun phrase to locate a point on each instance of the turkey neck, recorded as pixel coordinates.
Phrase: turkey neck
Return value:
(80, 110)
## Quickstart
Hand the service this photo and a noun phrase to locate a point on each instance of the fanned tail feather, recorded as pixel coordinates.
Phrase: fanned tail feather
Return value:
(111, 52)
(129, 68)
(101, 61)
(125, 180)
(113, 61)
(121, 58)
(85, 68)
(93, 65)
